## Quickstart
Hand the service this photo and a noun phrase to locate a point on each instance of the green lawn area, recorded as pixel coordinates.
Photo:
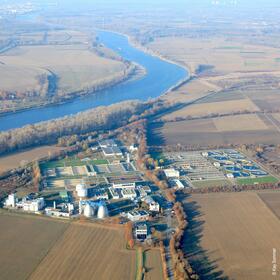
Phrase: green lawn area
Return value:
(71, 162)
(250, 181)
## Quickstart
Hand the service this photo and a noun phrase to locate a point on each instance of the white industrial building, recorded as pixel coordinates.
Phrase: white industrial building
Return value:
(179, 184)
(142, 192)
(130, 185)
(112, 151)
(114, 193)
(100, 194)
(128, 193)
(152, 204)
(107, 143)
(140, 215)
(11, 200)
(81, 190)
(171, 173)
(141, 231)
(33, 205)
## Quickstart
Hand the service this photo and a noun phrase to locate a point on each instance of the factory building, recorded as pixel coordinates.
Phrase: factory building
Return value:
(33, 205)
(114, 193)
(171, 173)
(153, 206)
(128, 193)
(99, 194)
(135, 216)
(179, 184)
(107, 143)
(81, 190)
(11, 200)
(141, 231)
(124, 185)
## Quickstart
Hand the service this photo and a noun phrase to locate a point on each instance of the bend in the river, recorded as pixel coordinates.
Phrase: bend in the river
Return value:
(160, 76)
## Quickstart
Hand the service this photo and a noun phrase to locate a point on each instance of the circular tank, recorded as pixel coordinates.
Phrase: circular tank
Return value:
(88, 211)
(102, 212)
(81, 190)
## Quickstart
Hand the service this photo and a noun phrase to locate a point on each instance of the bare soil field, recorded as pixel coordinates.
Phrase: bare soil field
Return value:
(88, 251)
(204, 132)
(239, 123)
(222, 107)
(153, 265)
(272, 200)
(231, 235)
(225, 54)
(17, 159)
(24, 242)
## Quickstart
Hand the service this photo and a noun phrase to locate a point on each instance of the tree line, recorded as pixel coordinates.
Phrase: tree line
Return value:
(101, 118)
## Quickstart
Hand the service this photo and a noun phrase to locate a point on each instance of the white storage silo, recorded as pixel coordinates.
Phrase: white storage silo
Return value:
(88, 211)
(102, 212)
(81, 190)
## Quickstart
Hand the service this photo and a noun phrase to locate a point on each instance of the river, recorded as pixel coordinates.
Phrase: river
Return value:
(160, 76)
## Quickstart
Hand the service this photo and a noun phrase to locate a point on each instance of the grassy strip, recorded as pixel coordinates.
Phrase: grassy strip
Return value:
(139, 263)
(259, 180)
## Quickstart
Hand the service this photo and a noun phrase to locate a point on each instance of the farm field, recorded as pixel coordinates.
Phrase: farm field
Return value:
(207, 108)
(225, 53)
(24, 242)
(271, 199)
(15, 160)
(232, 235)
(153, 265)
(74, 74)
(240, 129)
(88, 252)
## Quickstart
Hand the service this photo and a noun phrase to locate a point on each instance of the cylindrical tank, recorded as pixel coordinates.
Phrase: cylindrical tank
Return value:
(88, 211)
(102, 212)
(81, 190)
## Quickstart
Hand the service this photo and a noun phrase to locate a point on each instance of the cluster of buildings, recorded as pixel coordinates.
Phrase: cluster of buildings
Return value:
(38, 206)
(26, 204)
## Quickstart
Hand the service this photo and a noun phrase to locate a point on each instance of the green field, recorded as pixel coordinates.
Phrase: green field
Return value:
(260, 180)
(71, 162)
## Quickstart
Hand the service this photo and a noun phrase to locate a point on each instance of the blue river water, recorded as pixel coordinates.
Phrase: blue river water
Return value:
(160, 76)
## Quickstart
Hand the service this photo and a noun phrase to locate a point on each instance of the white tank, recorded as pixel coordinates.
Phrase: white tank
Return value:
(102, 212)
(81, 190)
(88, 211)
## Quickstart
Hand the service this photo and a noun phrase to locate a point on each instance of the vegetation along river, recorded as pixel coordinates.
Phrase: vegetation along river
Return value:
(160, 76)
